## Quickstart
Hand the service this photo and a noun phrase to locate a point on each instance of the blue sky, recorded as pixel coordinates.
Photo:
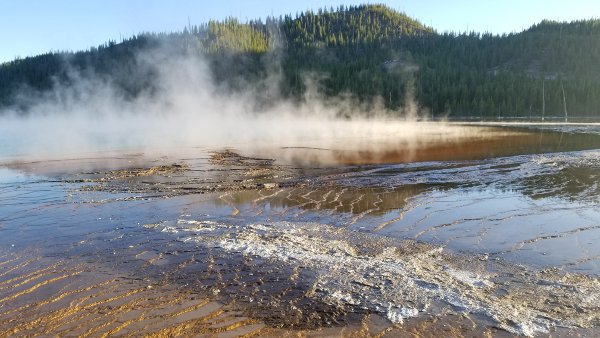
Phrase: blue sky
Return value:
(30, 27)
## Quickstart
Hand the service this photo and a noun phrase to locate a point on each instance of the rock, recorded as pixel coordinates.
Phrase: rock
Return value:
(270, 185)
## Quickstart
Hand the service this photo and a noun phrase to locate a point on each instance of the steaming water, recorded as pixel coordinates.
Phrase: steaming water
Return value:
(502, 229)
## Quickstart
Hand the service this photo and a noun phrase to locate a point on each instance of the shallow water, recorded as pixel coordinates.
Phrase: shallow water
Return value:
(473, 225)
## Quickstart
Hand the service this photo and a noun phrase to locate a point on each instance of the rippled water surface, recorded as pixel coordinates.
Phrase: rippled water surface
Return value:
(490, 231)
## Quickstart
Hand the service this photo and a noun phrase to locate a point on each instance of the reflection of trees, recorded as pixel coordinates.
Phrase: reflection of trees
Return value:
(577, 183)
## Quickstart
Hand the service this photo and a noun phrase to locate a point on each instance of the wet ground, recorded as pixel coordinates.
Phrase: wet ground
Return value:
(462, 231)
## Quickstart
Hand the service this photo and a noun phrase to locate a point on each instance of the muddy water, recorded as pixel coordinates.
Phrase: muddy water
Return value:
(493, 231)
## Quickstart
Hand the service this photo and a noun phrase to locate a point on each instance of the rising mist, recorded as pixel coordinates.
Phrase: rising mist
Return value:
(185, 107)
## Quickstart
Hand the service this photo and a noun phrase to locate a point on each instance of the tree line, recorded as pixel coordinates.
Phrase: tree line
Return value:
(371, 52)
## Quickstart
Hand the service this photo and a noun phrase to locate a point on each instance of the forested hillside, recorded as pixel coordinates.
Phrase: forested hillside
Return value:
(370, 52)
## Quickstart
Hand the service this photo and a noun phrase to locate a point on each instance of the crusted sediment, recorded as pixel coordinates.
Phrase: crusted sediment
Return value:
(404, 279)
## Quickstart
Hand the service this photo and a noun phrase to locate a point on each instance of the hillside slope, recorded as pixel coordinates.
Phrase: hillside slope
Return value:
(370, 51)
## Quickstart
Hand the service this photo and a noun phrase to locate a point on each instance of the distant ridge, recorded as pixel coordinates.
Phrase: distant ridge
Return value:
(371, 52)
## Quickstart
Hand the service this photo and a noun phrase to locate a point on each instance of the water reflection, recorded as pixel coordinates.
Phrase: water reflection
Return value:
(453, 143)
(576, 183)
(338, 199)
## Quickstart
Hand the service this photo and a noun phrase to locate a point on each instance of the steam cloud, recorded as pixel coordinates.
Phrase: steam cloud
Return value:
(189, 110)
